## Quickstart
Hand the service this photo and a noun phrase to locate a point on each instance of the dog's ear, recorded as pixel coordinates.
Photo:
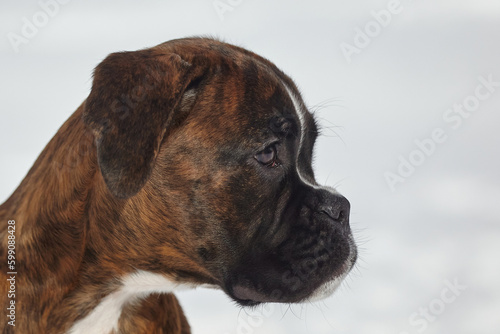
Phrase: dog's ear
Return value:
(130, 107)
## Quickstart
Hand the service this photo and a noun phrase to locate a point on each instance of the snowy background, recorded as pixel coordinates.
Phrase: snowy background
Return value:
(381, 90)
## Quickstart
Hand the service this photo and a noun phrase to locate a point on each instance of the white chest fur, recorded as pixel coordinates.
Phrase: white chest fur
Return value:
(104, 318)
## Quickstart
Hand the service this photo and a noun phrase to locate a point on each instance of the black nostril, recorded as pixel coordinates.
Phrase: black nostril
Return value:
(343, 217)
(330, 212)
(338, 216)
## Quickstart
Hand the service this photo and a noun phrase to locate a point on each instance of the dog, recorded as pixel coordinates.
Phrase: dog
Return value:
(189, 164)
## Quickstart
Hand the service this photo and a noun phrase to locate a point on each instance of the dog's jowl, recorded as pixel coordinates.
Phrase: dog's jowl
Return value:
(188, 165)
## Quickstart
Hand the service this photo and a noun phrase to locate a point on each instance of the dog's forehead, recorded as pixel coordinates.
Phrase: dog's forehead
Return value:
(242, 92)
(250, 104)
(253, 93)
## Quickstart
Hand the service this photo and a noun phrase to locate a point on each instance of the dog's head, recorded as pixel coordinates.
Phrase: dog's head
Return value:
(222, 140)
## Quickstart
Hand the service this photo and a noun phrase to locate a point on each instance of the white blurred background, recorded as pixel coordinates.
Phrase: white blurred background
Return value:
(435, 226)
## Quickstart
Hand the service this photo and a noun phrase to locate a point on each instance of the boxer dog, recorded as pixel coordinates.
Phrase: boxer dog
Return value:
(188, 165)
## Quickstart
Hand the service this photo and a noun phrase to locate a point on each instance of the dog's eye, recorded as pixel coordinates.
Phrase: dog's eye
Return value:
(267, 156)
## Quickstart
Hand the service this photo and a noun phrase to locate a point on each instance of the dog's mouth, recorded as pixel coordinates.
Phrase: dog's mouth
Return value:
(329, 287)
(272, 282)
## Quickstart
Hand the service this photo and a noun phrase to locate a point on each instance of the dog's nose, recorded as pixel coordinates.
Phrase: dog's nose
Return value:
(337, 207)
(333, 205)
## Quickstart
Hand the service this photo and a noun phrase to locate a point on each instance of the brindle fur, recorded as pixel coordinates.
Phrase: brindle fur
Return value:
(155, 171)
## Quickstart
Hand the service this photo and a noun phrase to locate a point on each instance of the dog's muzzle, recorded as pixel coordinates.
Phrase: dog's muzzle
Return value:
(315, 254)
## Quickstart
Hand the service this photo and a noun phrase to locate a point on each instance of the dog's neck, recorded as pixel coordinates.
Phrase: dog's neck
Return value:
(61, 176)
(68, 261)
(50, 213)
(51, 221)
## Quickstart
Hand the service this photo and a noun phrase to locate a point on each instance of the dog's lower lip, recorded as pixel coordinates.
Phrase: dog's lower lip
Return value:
(249, 296)
(247, 302)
